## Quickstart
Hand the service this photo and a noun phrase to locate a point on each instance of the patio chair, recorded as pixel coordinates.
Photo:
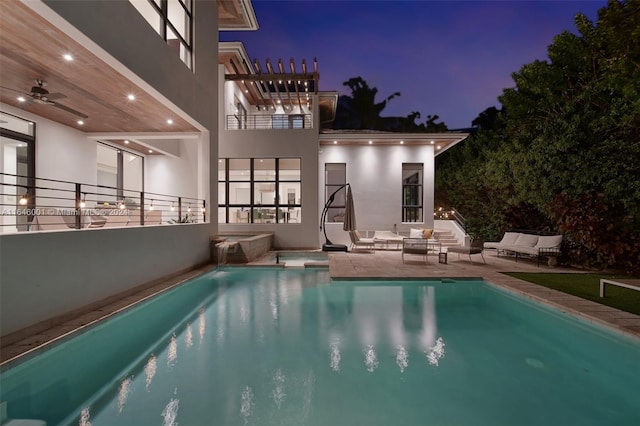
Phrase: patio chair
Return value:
(358, 241)
(388, 237)
(417, 246)
(476, 247)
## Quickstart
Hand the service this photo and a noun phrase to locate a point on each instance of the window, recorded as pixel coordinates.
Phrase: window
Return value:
(120, 175)
(17, 171)
(241, 114)
(259, 190)
(412, 192)
(335, 175)
(172, 19)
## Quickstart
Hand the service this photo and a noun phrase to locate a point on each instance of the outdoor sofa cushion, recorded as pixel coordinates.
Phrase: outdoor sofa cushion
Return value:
(550, 241)
(509, 238)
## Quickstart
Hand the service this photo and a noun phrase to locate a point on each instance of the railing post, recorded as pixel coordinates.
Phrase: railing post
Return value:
(204, 210)
(141, 208)
(179, 209)
(78, 208)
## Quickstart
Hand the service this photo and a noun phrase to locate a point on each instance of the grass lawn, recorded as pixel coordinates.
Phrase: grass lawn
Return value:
(587, 286)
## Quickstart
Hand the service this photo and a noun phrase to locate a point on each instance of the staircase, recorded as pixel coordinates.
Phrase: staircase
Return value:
(446, 238)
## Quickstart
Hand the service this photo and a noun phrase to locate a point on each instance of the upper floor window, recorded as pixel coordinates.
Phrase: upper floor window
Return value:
(173, 20)
(335, 176)
(412, 178)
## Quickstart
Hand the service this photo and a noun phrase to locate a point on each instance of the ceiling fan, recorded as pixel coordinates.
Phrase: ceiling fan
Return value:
(40, 95)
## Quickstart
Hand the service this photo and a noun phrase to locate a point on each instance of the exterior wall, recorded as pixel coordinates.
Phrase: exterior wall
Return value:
(289, 143)
(375, 175)
(46, 274)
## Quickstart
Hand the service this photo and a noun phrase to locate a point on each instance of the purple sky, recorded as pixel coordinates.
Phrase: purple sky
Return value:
(450, 58)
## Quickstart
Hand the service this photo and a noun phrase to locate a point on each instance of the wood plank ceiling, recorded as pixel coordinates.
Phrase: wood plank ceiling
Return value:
(31, 48)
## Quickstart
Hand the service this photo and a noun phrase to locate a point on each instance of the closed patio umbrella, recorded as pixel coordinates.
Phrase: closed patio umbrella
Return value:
(349, 223)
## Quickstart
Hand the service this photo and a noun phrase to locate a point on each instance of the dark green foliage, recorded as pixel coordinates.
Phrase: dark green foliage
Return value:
(564, 152)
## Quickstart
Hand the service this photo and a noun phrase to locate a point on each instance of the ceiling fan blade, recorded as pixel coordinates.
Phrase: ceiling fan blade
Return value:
(71, 110)
(54, 96)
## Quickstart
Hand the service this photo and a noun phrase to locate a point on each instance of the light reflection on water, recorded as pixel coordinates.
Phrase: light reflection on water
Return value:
(275, 350)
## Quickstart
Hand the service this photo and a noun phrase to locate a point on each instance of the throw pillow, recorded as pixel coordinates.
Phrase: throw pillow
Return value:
(427, 234)
(415, 233)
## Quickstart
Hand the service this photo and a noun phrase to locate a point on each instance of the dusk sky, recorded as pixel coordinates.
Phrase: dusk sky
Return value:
(450, 58)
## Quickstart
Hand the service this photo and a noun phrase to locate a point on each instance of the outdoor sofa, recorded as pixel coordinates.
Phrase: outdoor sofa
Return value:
(523, 244)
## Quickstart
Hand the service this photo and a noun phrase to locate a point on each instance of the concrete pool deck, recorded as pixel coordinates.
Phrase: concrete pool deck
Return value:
(359, 265)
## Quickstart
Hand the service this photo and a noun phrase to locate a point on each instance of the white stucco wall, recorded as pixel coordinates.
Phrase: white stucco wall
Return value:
(47, 274)
(174, 176)
(375, 175)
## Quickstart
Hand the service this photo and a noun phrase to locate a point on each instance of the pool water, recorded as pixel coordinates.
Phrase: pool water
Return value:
(264, 346)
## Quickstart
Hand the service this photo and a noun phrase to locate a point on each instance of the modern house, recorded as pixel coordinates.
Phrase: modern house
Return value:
(111, 139)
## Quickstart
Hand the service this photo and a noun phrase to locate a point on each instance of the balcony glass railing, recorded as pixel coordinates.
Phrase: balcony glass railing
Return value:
(269, 121)
(36, 204)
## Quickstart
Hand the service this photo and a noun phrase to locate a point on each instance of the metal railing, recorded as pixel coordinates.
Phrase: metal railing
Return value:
(37, 204)
(269, 121)
(450, 213)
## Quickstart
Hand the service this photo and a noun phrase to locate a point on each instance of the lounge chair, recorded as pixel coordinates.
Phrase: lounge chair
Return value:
(359, 241)
(476, 247)
(388, 237)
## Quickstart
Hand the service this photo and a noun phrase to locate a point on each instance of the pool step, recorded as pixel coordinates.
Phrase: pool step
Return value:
(5, 421)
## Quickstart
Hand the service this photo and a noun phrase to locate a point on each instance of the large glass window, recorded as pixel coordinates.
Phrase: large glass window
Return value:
(259, 190)
(120, 176)
(412, 175)
(172, 19)
(17, 172)
(335, 176)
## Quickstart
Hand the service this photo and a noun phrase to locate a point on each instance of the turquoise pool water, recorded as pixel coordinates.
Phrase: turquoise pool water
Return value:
(248, 346)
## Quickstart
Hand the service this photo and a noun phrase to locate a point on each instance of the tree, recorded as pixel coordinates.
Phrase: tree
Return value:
(571, 138)
(360, 110)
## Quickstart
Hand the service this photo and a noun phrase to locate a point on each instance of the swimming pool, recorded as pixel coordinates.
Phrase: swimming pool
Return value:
(261, 346)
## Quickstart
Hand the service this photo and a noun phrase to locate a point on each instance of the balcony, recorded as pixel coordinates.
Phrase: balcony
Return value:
(36, 204)
(269, 122)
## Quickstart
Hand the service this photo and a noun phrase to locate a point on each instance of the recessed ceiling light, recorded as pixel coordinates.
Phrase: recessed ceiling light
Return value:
(150, 151)
(126, 142)
(370, 142)
(439, 147)
(335, 142)
(401, 142)
(431, 142)
(131, 97)
(21, 98)
(80, 122)
(169, 121)
(67, 57)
